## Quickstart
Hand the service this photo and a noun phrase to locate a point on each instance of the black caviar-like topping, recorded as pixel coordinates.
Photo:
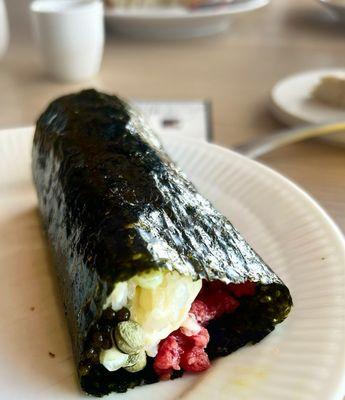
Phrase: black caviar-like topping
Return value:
(85, 367)
(97, 339)
(123, 315)
(91, 354)
(109, 314)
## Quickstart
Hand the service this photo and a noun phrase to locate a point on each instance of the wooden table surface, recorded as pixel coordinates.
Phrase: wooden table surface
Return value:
(235, 71)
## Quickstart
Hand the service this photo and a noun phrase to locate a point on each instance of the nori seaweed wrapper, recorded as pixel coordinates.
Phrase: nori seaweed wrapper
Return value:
(114, 204)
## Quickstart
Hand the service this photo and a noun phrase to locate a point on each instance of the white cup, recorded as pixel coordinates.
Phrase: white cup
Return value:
(70, 37)
(3, 28)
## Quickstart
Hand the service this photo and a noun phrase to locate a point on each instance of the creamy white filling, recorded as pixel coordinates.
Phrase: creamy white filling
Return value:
(159, 302)
(113, 359)
(190, 326)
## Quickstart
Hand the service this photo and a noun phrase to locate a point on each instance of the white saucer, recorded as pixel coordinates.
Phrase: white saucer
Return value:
(176, 22)
(291, 102)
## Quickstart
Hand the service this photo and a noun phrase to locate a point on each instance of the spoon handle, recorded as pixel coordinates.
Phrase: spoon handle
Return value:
(259, 146)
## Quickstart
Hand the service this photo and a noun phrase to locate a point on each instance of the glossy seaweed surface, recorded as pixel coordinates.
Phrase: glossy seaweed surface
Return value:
(114, 204)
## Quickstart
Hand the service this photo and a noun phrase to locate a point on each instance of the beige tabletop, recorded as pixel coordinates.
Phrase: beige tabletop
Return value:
(235, 71)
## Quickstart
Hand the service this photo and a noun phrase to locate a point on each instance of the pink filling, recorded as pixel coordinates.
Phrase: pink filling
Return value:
(183, 350)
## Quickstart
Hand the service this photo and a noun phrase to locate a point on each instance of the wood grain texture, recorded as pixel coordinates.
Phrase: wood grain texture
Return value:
(235, 71)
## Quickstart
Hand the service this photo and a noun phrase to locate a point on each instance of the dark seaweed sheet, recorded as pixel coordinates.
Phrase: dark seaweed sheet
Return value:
(114, 204)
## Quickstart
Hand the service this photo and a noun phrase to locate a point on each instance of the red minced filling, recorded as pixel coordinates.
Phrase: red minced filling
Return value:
(183, 350)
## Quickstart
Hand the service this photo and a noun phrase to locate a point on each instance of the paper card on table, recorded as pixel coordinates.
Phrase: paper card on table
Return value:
(189, 118)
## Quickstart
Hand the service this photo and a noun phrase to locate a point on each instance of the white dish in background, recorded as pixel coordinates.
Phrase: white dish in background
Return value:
(303, 359)
(337, 7)
(291, 102)
(176, 22)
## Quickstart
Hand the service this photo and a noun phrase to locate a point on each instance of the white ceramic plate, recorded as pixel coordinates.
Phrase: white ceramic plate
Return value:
(176, 23)
(303, 359)
(291, 102)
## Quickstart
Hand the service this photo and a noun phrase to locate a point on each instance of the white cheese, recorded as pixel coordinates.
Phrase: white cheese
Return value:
(118, 297)
(159, 302)
(113, 359)
(190, 326)
(162, 309)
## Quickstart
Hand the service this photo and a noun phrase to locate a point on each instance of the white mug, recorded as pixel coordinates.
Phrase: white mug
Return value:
(70, 37)
(3, 28)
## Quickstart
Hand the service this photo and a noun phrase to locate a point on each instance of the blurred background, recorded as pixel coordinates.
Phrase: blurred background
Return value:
(234, 71)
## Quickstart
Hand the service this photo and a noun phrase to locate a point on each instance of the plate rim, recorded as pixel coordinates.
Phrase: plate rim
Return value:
(246, 6)
(338, 375)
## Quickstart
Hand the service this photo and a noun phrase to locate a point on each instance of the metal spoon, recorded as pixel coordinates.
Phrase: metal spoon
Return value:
(259, 146)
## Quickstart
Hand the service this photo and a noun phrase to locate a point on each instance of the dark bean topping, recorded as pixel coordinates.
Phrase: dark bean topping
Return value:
(109, 314)
(123, 315)
(107, 343)
(95, 328)
(97, 339)
(106, 330)
(84, 367)
(91, 354)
